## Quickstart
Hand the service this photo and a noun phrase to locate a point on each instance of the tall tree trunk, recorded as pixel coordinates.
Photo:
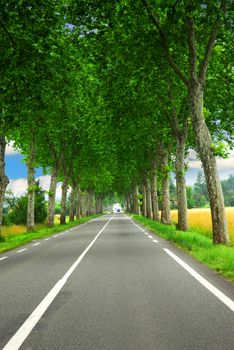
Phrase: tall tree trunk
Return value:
(64, 202)
(135, 200)
(204, 145)
(31, 189)
(52, 195)
(181, 183)
(89, 204)
(78, 203)
(127, 204)
(165, 214)
(148, 199)
(144, 205)
(3, 178)
(99, 204)
(82, 204)
(94, 204)
(131, 202)
(154, 196)
(72, 204)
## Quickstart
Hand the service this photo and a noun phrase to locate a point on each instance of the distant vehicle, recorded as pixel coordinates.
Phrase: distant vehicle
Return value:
(118, 210)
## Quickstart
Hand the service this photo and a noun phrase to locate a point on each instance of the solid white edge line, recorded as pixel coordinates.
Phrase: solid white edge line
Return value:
(3, 258)
(215, 291)
(19, 337)
(21, 250)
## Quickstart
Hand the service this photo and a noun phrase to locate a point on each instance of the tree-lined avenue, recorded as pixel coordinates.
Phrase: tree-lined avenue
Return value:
(126, 293)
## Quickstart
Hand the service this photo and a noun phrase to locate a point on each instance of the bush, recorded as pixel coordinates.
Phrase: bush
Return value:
(18, 214)
(6, 220)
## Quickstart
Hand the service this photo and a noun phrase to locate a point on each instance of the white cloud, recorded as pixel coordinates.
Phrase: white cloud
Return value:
(223, 164)
(10, 149)
(19, 186)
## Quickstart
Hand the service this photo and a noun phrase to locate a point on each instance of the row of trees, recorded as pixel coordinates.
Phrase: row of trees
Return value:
(110, 97)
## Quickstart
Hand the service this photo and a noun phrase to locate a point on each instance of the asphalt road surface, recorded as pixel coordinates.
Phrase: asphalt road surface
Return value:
(111, 285)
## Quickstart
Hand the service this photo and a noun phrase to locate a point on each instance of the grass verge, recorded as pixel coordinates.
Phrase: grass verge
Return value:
(220, 258)
(14, 241)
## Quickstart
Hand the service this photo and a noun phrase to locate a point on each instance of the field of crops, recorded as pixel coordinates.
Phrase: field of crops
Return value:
(200, 220)
(15, 230)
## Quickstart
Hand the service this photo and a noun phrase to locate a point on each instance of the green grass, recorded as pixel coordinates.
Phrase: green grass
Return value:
(11, 242)
(220, 258)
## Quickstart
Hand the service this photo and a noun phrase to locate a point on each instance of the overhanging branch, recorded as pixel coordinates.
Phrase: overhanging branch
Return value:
(164, 41)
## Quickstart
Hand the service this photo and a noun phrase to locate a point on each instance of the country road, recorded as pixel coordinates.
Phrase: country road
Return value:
(111, 285)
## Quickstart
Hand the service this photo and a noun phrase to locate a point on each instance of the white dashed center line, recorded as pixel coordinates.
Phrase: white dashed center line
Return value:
(35, 244)
(155, 241)
(4, 257)
(21, 250)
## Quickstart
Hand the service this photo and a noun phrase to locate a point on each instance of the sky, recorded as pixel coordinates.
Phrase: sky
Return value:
(17, 172)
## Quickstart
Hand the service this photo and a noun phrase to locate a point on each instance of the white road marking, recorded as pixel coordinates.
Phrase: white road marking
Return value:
(150, 236)
(155, 241)
(55, 236)
(35, 244)
(146, 233)
(19, 337)
(46, 239)
(3, 258)
(21, 250)
(215, 291)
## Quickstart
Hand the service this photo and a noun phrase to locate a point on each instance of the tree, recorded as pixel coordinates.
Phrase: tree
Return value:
(191, 16)
(18, 214)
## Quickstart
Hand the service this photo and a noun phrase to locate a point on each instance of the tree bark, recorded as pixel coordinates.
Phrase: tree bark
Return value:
(148, 200)
(127, 204)
(78, 203)
(181, 183)
(72, 204)
(204, 145)
(82, 204)
(144, 205)
(154, 196)
(89, 203)
(64, 202)
(135, 200)
(3, 178)
(31, 189)
(52, 195)
(165, 214)
(99, 204)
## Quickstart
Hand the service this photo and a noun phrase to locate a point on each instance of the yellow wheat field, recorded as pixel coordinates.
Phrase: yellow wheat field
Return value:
(15, 230)
(200, 220)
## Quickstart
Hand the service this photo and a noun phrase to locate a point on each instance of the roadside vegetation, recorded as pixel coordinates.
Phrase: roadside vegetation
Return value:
(220, 258)
(110, 98)
(199, 220)
(16, 235)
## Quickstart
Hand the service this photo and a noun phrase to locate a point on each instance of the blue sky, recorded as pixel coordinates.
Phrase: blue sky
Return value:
(16, 167)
